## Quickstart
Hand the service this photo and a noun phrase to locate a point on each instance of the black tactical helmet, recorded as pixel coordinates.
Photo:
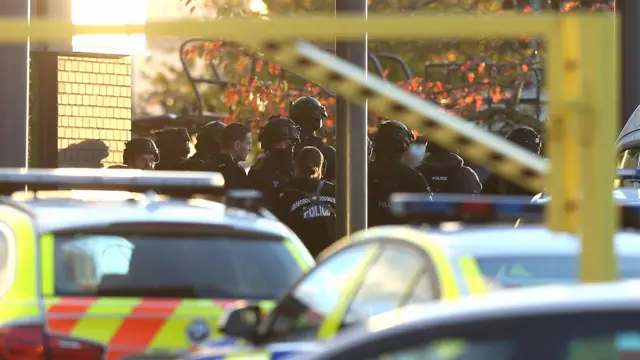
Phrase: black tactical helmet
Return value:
(393, 135)
(526, 137)
(278, 128)
(174, 141)
(307, 113)
(208, 139)
(140, 146)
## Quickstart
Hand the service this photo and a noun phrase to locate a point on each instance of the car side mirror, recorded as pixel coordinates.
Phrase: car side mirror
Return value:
(241, 322)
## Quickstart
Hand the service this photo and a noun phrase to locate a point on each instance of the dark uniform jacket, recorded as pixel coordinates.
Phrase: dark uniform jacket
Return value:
(387, 176)
(446, 173)
(268, 173)
(235, 177)
(308, 208)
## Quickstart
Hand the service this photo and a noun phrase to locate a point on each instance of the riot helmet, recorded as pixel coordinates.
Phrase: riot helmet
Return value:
(173, 143)
(208, 139)
(308, 113)
(278, 129)
(139, 146)
(527, 138)
(392, 135)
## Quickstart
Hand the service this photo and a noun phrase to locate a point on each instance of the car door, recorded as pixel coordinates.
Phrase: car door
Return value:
(312, 307)
(401, 274)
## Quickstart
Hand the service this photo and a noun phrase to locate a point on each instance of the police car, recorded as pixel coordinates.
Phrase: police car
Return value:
(597, 321)
(389, 267)
(108, 274)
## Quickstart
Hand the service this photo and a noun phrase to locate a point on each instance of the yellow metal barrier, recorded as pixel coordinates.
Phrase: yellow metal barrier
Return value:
(582, 85)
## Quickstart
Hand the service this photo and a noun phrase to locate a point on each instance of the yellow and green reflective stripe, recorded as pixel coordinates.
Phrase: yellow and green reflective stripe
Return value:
(472, 275)
(332, 321)
(444, 272)
(172, 333)
(20, 298)
(47, 264)
(257, 355)
(303, 260)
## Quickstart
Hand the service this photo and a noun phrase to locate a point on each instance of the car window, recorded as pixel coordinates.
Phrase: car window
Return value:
(516, 271)
(389, 283)
(189, 267)
(629, 159)
(425, 290)
(6, 271)
(454, 349)
(302, 312)
(622, 345)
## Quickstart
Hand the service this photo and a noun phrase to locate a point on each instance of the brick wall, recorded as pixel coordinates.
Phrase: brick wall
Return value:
(94, 110)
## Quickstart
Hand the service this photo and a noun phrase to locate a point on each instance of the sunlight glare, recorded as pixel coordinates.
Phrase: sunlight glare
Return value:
(258, 6)
(108, 12)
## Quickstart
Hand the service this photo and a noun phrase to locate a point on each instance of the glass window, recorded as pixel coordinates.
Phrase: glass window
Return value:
(424, 290)
(301, 314)
(516, 271)
(6, 276)
(623, 345)
(629, 159)
(455, 349)
(388, 284)
(193, 267)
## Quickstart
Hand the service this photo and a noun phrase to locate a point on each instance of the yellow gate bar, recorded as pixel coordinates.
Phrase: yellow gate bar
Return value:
(564, 83)
(599, 127)
(327, 28)
(448, 130)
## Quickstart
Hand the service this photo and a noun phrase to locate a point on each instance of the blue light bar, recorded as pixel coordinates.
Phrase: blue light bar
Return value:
(97, 179)
(484, 209)
(628, 173)
(442, 208)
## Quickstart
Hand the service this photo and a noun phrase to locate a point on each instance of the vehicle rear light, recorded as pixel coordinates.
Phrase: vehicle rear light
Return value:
(27, 343)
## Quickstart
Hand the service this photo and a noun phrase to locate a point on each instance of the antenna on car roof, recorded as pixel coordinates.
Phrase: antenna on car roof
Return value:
(422, 208)
(205, 183)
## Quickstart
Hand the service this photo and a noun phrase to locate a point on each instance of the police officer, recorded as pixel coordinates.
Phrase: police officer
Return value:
(307, 203)
(446, 173)
(139, 153)
(277, 139)
(530, 140)
(174, 146)
(207, 143)
(308, 113)
(387, 173)
(235, 145)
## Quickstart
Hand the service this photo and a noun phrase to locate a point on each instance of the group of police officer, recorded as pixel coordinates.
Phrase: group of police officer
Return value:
(296, 170)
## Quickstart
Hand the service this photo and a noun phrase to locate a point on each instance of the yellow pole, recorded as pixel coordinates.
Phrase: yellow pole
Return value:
(599, 126)
(562, 140)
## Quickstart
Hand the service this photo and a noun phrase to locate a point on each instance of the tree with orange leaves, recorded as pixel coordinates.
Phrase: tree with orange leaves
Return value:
(465, 77)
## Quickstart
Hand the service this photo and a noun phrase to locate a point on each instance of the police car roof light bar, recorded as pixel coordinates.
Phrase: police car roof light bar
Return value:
(423, 208)
(484, 209)
(14, 179)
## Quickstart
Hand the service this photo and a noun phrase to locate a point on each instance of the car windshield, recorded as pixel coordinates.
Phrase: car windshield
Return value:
(516, 271)
(163, 266)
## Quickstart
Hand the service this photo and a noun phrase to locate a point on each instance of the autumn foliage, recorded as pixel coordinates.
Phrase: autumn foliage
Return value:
(468, 78)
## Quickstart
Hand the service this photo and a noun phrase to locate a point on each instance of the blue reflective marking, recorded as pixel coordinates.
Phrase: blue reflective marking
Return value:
(220, 342)
(280, 355)
(428, 206)
(628, 172)
(509, 208)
